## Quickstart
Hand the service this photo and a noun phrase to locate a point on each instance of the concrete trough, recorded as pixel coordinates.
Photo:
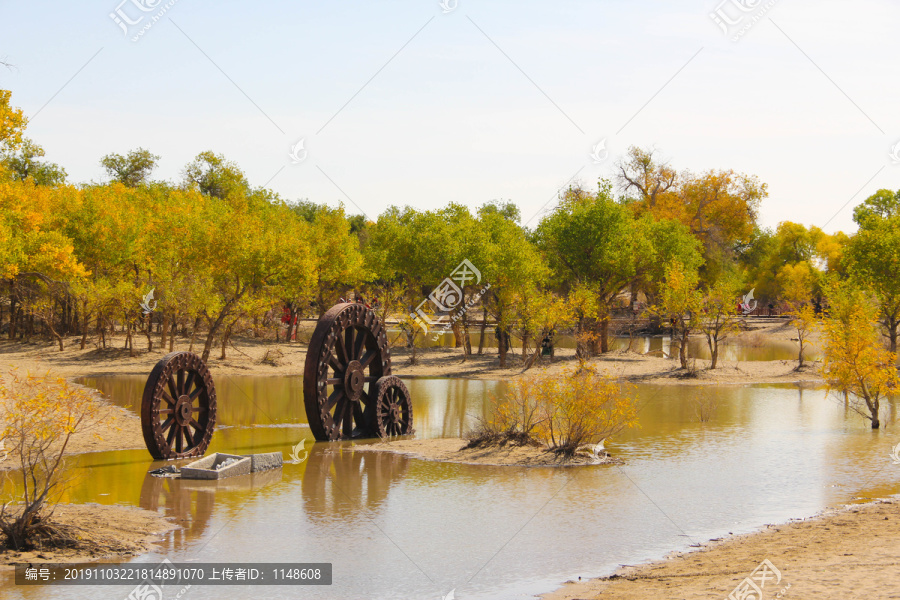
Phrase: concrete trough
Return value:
(265, 461)
(205, 468)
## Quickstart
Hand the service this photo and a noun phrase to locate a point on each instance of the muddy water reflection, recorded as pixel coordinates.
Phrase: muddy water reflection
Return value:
(396, 527)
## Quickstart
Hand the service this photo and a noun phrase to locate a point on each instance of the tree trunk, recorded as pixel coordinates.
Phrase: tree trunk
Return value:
(682, 348)
(148, 332)
(225, 337)
(604, 335)
(483, 332)
(164, 329)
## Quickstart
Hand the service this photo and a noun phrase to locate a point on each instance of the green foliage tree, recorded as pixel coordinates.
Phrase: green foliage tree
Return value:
(133, 169)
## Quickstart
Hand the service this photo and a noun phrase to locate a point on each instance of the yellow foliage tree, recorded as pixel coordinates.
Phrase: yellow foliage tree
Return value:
(40, 414)
(855, 362)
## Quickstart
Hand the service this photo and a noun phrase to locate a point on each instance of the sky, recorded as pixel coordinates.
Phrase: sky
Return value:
(421, 103)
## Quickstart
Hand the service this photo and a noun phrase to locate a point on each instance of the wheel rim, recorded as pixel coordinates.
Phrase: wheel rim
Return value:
(178, 409)
(348, 353)
(393, 408)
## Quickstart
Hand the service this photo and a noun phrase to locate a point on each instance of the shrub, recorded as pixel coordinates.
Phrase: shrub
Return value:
(38, 416)
(565, 411)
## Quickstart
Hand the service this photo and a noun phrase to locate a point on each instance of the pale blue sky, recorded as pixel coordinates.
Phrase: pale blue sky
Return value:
(490, 100)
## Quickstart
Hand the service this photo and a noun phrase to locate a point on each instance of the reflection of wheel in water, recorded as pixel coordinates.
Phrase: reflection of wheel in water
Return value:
(340, 481)
(348, 353)
(178, 408)
(391, 413)
(191, 509)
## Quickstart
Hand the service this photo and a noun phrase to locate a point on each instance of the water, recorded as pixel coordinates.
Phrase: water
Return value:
(697, 346)
(396, 527)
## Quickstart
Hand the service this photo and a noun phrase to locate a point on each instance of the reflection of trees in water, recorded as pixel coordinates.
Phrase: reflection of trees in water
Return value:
(341, 482)
(189, 502)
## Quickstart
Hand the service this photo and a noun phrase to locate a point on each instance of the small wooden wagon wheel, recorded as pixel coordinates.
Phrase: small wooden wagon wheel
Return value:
(392, 412)
(178, 409)
(347, 354)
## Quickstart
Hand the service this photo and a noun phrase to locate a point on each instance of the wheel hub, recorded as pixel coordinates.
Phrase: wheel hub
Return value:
(354, 378)
(183, 410)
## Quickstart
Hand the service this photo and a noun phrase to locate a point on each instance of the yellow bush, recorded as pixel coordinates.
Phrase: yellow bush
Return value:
(38, 416)
(563, 410)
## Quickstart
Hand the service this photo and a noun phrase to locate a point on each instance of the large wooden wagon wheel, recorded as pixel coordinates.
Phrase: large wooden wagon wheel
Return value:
(348, 353)
(178, 409)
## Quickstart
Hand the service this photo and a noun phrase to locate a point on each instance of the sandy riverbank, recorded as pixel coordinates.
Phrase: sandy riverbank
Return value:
(841, 554)
(101, 532)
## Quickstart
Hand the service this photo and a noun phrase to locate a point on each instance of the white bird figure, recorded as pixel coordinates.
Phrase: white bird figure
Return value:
(895, 153)
(296, 450)
(450, 595)
(145, 305)
(599, 152)
(598, 448)
(448, 6)
(298, 153)
(896, 454)
(745, 305)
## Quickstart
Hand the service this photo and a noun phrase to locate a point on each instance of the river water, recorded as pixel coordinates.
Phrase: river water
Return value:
(397, 527)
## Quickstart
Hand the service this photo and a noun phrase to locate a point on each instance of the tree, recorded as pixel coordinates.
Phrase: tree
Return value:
(874, 260)
(681, 303)
(883, 204)
(591, 240)
(797, 283)
(855, 363)
(718, 314)
(213, 175)
(12, 123)
(133, 169)
(644, 180)
(39, 416)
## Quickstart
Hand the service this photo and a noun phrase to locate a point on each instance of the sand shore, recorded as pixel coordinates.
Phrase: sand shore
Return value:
(842, 554)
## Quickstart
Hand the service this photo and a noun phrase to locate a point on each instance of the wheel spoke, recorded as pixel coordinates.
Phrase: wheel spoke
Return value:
(166, 424)
(348, 420)
(334, 381)
(179, 387)
(188, 384)
(339, 408)
(342, 359)
(360, 341)
(166, 411)
(358, 415)
(172, 389)
(367, 358)
(179, 439)
(171, 435)
(333, 362)
(165, 396)
(348, 351)
(196, 425)
(334, 397)
(193, 395)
